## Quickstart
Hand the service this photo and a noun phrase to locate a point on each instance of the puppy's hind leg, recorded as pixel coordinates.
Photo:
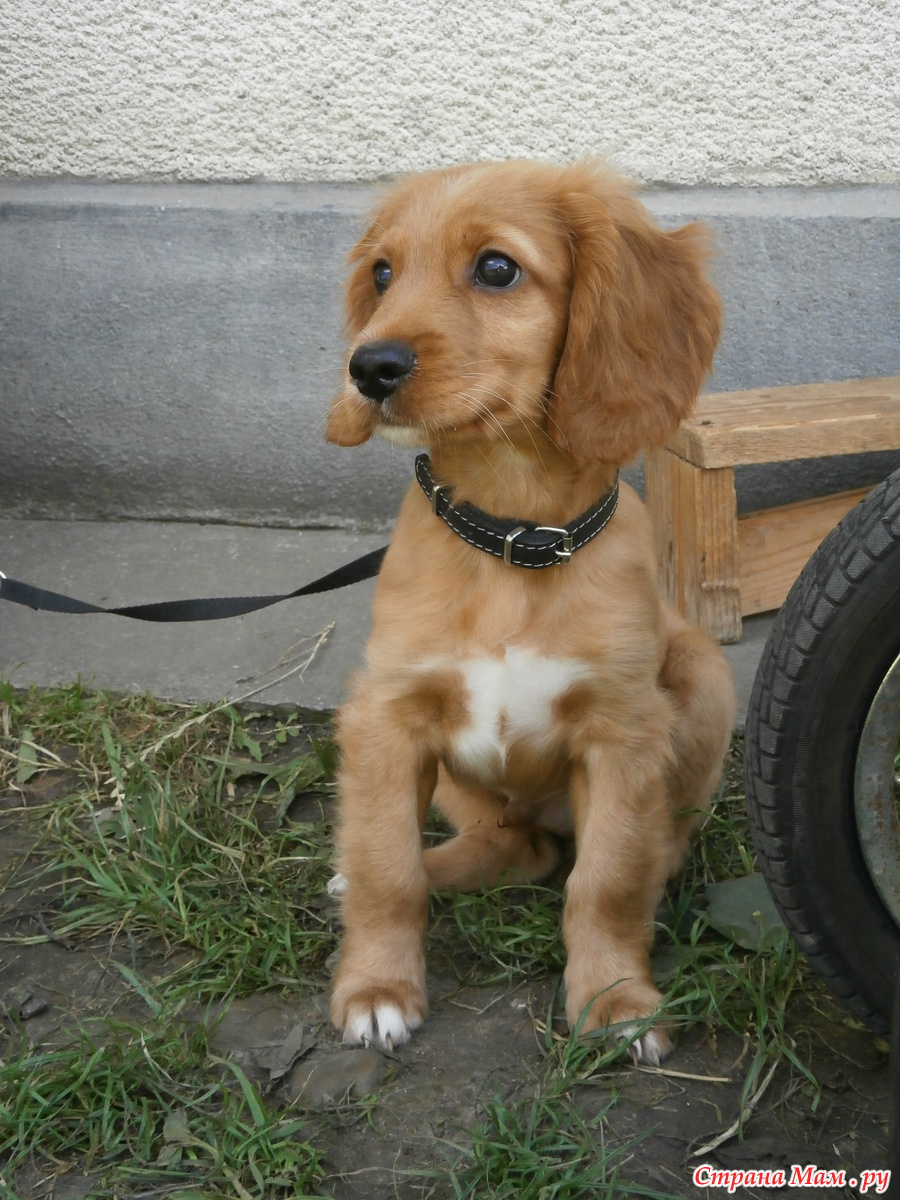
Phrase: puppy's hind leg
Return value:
(698, 678)
(486, 850)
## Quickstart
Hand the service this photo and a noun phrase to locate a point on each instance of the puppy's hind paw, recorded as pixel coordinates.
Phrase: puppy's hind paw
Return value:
(336, 885)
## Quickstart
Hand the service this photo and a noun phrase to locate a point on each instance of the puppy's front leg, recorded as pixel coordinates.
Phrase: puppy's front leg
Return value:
(622, 830)
(385, 785)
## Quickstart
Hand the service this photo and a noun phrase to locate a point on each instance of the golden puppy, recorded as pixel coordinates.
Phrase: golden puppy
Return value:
(533, 329)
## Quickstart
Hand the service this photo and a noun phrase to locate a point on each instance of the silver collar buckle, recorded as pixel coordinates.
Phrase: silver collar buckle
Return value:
(565, 553)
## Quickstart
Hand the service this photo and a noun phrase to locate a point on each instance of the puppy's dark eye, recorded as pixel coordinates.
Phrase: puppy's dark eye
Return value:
(496, 270)
(381, 273)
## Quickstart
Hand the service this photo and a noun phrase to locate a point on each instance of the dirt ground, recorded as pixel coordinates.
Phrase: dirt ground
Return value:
(478, 1042)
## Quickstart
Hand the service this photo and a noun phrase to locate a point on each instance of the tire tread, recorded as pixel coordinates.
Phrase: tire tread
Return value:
(828, 586)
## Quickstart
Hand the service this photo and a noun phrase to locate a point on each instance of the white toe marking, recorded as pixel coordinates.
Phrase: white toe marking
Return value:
(336, 885)
(393, 1030)
(359, 1029)
(385, 1027)
(651, 1047)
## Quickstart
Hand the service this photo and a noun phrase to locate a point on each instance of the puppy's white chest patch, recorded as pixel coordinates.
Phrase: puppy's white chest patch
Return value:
(510, 698)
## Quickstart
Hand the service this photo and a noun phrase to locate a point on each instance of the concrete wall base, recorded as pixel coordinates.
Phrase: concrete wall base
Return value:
(167, 351)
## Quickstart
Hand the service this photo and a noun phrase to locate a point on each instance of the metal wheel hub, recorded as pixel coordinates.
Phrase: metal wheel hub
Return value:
(877, 791)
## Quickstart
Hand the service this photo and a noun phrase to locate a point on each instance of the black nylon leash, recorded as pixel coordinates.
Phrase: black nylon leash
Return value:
(213, 608)
(519, 545)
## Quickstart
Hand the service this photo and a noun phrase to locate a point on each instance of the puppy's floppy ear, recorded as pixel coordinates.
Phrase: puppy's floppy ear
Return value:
(359, 294)
(643, 325)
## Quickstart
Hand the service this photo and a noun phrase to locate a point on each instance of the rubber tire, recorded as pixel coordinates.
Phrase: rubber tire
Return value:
(832, 643)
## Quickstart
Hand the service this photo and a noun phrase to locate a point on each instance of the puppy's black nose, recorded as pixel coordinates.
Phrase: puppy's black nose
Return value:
(378, 368)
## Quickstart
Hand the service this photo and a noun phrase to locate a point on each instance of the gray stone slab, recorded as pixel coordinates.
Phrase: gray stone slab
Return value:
(134, 562)
(744, 659)
(116, 563)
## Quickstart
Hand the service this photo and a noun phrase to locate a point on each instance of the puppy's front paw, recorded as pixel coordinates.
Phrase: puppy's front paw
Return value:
(383, 1017)
(623, 1009)
(650, 1047)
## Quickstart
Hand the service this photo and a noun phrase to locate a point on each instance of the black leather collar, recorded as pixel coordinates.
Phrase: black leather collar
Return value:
(519, 543)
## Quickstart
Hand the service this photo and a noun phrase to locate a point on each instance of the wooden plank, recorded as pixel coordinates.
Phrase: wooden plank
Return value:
(780, 424)
(694, 515)
(775, 543)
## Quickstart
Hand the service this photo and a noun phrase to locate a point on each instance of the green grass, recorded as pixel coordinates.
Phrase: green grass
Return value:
(146, 1105)
(538, 1143)
(168, 831)
(507, 933)
(187, 844)
(201, 877)
(540, 1147)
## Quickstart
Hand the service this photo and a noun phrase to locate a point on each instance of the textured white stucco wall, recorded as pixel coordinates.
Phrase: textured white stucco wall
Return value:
(678, 91)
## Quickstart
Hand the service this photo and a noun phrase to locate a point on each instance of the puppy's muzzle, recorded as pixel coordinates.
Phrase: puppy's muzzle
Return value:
(378, 368)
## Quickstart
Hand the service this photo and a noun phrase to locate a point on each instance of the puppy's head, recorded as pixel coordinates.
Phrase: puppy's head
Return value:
(492, 301)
